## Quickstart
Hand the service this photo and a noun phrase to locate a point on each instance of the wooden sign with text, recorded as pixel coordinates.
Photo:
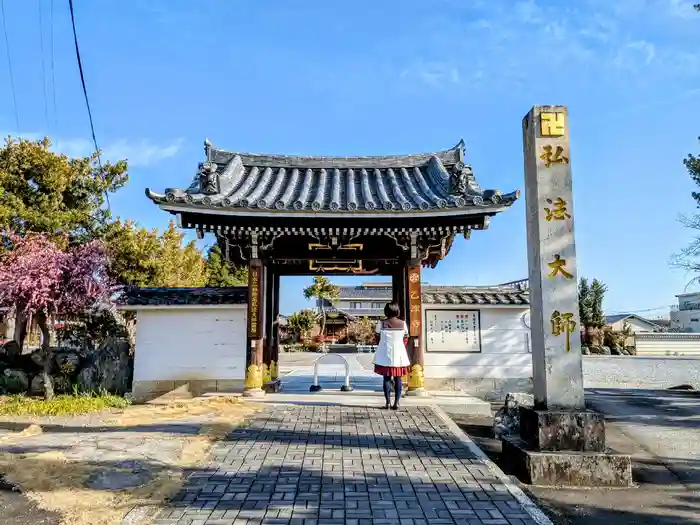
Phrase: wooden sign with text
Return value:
(254, 300)
(415, 315)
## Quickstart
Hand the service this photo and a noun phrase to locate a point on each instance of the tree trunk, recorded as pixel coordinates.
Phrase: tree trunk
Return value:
(323, 323)
(20, 327)
(42, 321)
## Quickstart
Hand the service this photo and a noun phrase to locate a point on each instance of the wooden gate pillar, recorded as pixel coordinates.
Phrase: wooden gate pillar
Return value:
(254, 350)
(415, 329)
(274, 365)
(270, 383)
(399, 292)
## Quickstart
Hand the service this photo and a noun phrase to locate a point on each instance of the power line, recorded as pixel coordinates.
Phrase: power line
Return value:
(82, 78)
(43, 65)
(87, 100)
(9, 62)
(53, 69)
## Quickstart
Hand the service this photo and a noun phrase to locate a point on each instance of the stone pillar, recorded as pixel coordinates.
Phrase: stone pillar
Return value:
(274, 365)
(556, 344)
(414, 318)
(267, 340)
(558, 441)
(254, 354)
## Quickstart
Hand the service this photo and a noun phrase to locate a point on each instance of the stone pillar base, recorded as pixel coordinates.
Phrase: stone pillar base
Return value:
(253, 392)
(546, 430)
(564, 448)
(417, 392)
(566, 468)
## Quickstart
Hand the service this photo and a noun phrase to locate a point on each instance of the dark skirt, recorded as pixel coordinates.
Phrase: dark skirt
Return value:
(393, 371)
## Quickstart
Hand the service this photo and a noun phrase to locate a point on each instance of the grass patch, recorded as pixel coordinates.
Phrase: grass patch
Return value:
(62, 405)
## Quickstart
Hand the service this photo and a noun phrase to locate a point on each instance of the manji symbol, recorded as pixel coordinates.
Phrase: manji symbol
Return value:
(553, 157)
(558, 266)
(552, 124)
(563, 324)
(558, 211)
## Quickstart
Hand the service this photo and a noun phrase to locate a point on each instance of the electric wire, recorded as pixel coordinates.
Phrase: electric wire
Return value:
(53, 63)
(85, 93)
(9, 62)
(43, 64)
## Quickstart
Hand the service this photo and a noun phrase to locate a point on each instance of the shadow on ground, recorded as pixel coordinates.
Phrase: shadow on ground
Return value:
(659, 499)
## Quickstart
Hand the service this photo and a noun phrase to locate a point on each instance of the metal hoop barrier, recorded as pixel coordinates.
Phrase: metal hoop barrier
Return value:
(345, 388)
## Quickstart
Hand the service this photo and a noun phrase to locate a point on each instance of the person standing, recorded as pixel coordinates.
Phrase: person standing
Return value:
(391, 358)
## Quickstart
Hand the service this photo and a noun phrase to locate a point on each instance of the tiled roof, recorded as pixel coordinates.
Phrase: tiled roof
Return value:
(362, 292)
(183, 296)
(474, 296)
(408, 184)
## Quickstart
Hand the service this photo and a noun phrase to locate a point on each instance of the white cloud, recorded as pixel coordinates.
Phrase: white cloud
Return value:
(434, 74)
(508, 42)
(141, 153)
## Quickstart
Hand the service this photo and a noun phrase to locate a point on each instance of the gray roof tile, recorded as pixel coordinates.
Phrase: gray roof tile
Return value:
(183, 296)
(408, 183)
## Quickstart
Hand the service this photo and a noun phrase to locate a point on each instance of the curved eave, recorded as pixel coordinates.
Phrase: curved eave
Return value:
(183, 207)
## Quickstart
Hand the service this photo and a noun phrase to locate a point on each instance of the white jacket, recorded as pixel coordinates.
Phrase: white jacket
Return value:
(391, 350)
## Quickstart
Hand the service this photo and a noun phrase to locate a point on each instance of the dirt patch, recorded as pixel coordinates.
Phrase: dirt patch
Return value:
(64, 481)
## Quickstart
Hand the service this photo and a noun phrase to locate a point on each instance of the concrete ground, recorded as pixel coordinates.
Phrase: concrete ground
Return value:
(661, 430)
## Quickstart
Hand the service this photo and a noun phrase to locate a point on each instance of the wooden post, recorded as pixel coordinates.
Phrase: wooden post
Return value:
(274, 365)
(415, 328)
(398, 286)
(269, 325)
(254, 354)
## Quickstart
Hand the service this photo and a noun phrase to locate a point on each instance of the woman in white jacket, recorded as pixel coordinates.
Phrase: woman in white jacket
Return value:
(391, 358)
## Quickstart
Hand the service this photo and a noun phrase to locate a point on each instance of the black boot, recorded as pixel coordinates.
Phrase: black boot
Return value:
(398, 388)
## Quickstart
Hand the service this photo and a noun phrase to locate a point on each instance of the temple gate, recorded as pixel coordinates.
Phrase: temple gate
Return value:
(302, 215)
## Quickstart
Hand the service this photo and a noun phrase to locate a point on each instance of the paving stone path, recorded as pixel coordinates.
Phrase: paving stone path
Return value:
(327, 465)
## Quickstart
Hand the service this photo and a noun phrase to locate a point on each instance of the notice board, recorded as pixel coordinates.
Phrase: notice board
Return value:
(453, 331)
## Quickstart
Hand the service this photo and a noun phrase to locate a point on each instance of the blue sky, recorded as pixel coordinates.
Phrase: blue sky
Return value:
(389, 77)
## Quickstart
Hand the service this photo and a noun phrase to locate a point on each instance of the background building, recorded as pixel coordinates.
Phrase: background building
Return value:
(686, 316)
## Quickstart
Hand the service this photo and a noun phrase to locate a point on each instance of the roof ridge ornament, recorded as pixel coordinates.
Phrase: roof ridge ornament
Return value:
(208, 178)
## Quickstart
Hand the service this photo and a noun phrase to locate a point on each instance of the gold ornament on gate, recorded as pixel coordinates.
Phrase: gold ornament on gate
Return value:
(253, 377)
(415, 377)
(265, 373)
(274, 373)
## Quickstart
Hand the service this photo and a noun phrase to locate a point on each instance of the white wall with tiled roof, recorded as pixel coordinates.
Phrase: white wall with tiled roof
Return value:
(502, 363)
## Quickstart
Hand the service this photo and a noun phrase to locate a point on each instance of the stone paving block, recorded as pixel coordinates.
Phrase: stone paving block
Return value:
(314, 465)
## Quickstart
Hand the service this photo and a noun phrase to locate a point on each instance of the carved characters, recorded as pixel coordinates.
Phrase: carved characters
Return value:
(208, 178)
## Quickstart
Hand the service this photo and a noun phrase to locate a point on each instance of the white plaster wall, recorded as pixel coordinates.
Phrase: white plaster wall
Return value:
(505, 351)
(640, 372)
(190, 343)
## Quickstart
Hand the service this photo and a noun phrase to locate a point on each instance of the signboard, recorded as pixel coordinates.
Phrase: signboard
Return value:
(414, 302)
(453, 331)
(254, 299)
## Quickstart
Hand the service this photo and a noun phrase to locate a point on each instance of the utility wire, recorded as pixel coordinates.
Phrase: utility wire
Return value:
(43, 65)
(87, 100)
(53, 68)
(9, 62)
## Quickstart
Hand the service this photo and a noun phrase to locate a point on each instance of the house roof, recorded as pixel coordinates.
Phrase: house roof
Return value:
(362, 292)
(183, 296)
(400, 185)
(611, 319)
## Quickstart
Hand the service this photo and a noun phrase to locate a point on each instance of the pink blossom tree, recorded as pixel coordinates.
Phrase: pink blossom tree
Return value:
(38, 278)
